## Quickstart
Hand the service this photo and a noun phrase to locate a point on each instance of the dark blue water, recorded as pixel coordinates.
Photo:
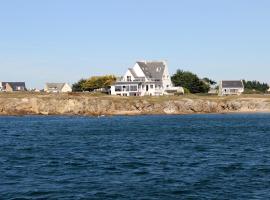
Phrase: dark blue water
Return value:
(144, 157)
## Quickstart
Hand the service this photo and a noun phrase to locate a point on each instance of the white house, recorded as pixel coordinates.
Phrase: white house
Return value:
(231, 88)
(57, 87)
(146, 78)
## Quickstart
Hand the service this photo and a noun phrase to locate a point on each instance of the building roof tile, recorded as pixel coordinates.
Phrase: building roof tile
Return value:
(153, 70)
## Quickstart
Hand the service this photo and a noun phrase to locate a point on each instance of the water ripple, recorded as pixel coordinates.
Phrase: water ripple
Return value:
(141, 157)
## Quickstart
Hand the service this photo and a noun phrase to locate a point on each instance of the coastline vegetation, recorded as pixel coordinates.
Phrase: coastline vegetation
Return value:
(255, 87)
(94, 83)
(191, 82)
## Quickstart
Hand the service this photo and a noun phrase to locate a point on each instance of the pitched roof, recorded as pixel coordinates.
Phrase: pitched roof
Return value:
(55, 86)
(133, 72)
(15, 85)
(232, 84)
(153, 70)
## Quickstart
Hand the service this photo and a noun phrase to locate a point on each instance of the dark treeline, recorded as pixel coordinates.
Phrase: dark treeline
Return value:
(255, 86)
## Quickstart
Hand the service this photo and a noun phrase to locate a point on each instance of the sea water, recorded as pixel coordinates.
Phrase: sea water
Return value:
(141, 157)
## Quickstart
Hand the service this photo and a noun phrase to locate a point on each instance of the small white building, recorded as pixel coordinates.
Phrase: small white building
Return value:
(57, 87)
(231, 87)
(146, 78)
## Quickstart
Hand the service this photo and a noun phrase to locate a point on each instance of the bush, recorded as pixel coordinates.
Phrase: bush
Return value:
(186, 91)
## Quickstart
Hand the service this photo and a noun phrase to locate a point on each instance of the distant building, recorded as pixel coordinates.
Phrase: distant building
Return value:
(57, 87)
(231, 88)
(33, 90)
(213, 91)
(12, 86)
(146, 78)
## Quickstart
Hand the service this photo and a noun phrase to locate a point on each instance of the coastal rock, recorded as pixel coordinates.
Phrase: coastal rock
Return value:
(170, 108)
(82, 104)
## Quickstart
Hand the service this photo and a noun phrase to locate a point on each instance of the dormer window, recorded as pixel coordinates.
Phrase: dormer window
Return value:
(129, 78)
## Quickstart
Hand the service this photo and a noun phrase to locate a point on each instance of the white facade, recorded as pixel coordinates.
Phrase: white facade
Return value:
(66, 88)
(231, 88)
(145, 78)
(57, 87)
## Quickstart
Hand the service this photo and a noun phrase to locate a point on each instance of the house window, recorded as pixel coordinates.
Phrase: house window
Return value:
(133, 88)
(128, 78)
(233, 90)
(118, 88)
(126, 88)
(151, 86)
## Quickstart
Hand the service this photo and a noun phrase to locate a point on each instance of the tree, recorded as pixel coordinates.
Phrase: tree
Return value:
(97, 82)
(190, 81)
(78, 87)
(255, 86)
(209, 81)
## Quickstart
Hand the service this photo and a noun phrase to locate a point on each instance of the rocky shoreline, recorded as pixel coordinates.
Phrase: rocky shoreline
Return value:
(88, 105)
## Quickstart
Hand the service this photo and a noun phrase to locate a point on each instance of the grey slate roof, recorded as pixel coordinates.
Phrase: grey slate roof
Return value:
(154, 70)
(133, 73)
(232, 84)
(55, 86)
(15, 85)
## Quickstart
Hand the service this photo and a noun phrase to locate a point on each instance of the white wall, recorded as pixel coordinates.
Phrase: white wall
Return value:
(66, 88)
(166, 79)
(138, 70)
(227, 91)
(128, 73)
(113, 90)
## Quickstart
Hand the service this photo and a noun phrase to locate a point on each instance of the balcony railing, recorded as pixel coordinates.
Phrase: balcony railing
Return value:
(142, 79)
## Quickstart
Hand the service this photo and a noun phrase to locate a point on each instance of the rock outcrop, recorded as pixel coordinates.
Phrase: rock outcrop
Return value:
(82, 104)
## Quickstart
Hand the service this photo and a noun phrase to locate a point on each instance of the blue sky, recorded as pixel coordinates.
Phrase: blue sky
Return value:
(65, 40)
